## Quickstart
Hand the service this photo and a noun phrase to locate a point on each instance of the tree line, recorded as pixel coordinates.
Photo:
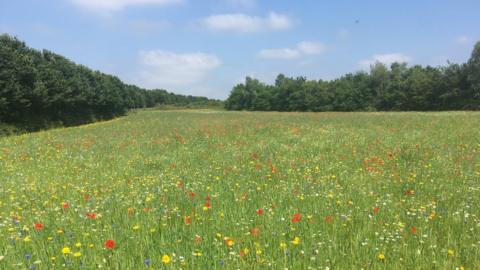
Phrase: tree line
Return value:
(39, 89)
(394, 88)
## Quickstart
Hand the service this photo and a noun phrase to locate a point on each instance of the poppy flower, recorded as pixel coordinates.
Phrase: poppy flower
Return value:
(413, 230)
(296, 217)
(255, 231)
(38, 226)
(110, 244)
(91, 215)
(260, 211)
(188, 220)
(208, 205)
(65, 205)
(376, 210)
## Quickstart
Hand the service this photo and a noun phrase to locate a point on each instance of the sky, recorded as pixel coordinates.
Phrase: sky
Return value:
(205, 47)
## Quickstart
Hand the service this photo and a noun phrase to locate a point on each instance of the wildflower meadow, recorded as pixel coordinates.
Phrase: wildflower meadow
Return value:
(245, 190)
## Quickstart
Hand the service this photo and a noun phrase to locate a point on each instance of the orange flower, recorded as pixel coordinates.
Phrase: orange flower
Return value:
(296, 217)
(328, 219)
(188, 220)
(255, 231)
(91, 215)
(38, 226)
(376, 210)
(413, 230)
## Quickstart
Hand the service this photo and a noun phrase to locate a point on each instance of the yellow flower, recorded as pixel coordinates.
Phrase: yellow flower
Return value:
(136, 227)
(77, 254)
(78, 244)
(197, 254)
(296, 240)
(451, 252)
(166, 259)
(27, 239)
(381, 256)
(205, 208)
(283, 245)
(66, 250)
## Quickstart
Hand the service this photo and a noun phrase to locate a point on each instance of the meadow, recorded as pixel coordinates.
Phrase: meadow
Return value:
(245, 190)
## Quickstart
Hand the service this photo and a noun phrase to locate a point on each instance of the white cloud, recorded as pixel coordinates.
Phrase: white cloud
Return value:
(386, 59)
(114, 5)
(278, 22)
(303, 48)
(283, 53)
(163, 69)
(243, 3)
(307, 47)
(239, 22)
(462, 40)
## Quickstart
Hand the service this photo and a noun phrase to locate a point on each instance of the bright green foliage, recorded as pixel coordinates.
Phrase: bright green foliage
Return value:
(397, 88)
(39, 89)
(241, 190)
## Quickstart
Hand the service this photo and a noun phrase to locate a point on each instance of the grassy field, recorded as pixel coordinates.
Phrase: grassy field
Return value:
(235, 190)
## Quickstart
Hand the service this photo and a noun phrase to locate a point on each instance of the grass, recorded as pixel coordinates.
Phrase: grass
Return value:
(229, 190)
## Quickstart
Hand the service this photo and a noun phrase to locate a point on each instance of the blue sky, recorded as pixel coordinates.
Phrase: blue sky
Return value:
(204, 47)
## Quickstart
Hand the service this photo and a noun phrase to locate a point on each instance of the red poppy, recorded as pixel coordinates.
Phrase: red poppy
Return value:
(375, 210)
(65, 206)
(413, 230)
(260, 211)
(91, 215)
(110, 244)
(328, 219)
(296, 217)
(208, 205)
(38, 226)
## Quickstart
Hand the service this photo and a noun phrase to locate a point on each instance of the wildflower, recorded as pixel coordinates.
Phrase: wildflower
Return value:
(130, 211)
(166, 259)
(110, 244)
(27, 239)
(91, 215)
(260, 211)
(451, 252)
(198, 239)
(197, 253)
(381, 256)
(255, 231)
(283, 245)
(376, 210)
(413, 230)
(38, 226)
(328, 219)
(77, 254)
(296, 217)
(136, 227)
(296, 241)
(229, 242)
(188, 220)
(65, 205)
(66, 250)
